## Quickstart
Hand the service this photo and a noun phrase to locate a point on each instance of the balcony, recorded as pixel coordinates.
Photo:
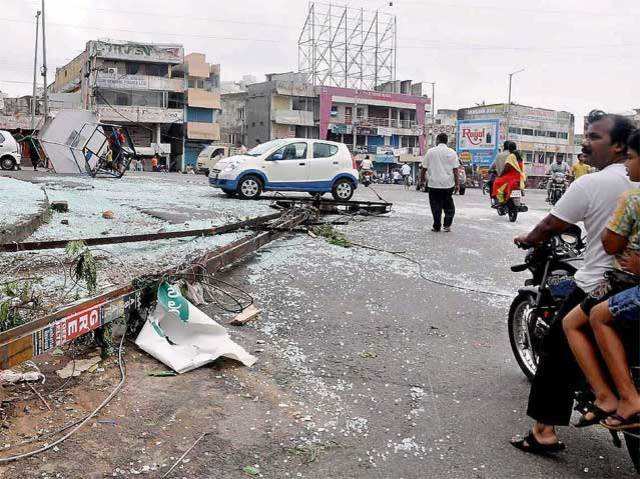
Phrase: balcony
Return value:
(293, 117)
(203, 131)
(139, 114)
(395, 126)
(138, 82)
(199, 98)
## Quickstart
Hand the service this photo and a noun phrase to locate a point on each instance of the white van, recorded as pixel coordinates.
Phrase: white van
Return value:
(208, 158)
(292, 164)
(10, 156)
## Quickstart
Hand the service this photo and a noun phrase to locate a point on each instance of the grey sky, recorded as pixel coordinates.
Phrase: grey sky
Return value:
(578, 54)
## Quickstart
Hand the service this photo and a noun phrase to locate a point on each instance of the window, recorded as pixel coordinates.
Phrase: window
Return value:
(540, 133)
(334, 111)
(324, 150)
(1, 138)
(133, 68)
(360, 112)
(563, 135)
(123, 99)
(155, 70)
(515, 130)
(293, 151)
(527, 131)
(552, 134)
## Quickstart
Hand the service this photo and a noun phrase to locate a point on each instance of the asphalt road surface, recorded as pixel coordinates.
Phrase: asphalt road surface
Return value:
(366, 369)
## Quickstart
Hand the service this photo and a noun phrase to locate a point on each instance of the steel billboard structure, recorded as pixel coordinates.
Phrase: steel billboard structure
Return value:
(347, 47)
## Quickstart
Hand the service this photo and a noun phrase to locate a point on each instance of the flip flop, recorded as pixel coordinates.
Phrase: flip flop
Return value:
(631, 422)
(531, 445)
(598, 416)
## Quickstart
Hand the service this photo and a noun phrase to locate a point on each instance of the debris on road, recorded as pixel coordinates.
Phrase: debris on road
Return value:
(60, 206)
(108, 215)
(245, 316)
(9, 376)
(184, 338)
(76, 367)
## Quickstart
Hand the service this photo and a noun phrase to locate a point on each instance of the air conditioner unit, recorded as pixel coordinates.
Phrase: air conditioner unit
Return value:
(112, 70)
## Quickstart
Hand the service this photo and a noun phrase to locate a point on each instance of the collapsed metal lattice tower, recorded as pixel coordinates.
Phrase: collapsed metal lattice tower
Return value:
(347, 47)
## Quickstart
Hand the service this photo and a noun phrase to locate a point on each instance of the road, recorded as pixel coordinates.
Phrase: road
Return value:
(366, 369)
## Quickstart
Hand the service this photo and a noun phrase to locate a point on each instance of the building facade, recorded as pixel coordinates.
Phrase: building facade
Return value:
(381, 123)
(233, 124)
(130, 84)
(542, 135)
(202, 104)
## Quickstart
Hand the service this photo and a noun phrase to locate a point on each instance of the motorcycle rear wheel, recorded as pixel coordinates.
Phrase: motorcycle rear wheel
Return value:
(520, 333)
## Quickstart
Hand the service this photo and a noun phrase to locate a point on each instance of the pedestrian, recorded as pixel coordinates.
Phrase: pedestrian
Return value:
(154, 163)
(406, 175)
(592, 200)
(580, 168)
(440, 165)
(397, 177)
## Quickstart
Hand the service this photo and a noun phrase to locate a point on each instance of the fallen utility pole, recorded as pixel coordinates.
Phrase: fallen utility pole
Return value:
(37, 337)
(332, 206)
(106, 240)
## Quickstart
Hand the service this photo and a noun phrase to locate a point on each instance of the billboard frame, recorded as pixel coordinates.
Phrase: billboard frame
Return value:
(475, 151)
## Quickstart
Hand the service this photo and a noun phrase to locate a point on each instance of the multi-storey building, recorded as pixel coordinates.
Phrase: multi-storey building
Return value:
(542, 135)
(202, 104)
(386, 123)
(130, 83)
(233, 124)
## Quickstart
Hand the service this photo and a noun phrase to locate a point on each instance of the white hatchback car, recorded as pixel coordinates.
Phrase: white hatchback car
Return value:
(10, 156)
(292, 164)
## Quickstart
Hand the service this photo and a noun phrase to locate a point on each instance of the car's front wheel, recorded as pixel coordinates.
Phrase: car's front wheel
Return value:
(343, 190)
(249, 188)
(7, 163)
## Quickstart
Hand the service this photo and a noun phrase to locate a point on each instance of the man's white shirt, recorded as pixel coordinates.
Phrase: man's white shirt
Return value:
(440, 162)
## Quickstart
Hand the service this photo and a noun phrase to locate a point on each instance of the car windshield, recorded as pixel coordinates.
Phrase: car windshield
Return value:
(264, 147)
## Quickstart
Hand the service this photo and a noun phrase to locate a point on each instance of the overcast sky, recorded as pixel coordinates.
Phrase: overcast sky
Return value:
(578, 54)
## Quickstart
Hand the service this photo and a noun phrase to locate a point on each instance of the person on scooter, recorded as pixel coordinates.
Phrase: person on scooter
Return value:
(621, 237)
(591, 199)
(512, 176)
(497, 167)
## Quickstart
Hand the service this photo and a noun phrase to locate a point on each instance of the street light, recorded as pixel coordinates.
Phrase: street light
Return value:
(509, 102)
(433, 111)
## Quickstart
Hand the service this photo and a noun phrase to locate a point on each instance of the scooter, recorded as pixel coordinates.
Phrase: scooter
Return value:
(512, 205)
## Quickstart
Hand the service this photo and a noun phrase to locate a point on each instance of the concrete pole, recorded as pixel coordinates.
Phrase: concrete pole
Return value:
(34, 98)
(509, 103)
(44, 65)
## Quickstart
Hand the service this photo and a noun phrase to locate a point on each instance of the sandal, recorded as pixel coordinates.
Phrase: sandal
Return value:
(631, 422)
(530, 444)
(598, 416)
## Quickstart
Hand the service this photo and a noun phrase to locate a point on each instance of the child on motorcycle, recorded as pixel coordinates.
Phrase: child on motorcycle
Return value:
(621, 238)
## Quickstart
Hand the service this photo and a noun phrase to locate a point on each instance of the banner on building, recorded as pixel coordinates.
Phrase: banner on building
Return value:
(140, 52)
(341, 129)
(478, 138)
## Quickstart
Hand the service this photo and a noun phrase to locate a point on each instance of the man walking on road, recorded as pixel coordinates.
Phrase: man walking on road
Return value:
(441, 167)
(406, 175)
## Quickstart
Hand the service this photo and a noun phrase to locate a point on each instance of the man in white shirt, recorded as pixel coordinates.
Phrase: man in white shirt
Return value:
(406, 174)
(591, 199)
(441, 167)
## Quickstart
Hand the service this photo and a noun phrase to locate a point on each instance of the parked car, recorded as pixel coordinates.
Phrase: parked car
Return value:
(292, 164)
(10, 156)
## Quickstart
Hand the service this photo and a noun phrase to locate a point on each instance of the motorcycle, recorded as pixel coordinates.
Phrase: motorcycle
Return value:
(511, 206)
(557, 187)
(533, 310)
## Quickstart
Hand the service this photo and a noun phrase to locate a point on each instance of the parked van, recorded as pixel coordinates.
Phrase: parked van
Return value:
(292, 164)
(10, 156)
(208, 158)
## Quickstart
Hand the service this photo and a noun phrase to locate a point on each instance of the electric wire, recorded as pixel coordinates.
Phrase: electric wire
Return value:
(78, 426)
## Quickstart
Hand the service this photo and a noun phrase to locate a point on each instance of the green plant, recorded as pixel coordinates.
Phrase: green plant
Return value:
(85, 267)
(332, 236)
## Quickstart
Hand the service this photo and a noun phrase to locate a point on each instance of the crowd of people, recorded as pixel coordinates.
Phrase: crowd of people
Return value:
(586, 340)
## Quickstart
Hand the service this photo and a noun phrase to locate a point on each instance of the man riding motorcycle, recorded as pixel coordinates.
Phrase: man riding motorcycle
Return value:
(558, 171)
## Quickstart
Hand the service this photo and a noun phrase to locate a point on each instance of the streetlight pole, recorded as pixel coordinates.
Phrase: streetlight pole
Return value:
(433, 112)
(34, 98)
(509, 102)
(44, 66)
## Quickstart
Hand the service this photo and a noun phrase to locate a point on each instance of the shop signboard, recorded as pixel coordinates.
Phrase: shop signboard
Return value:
(478, 138)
